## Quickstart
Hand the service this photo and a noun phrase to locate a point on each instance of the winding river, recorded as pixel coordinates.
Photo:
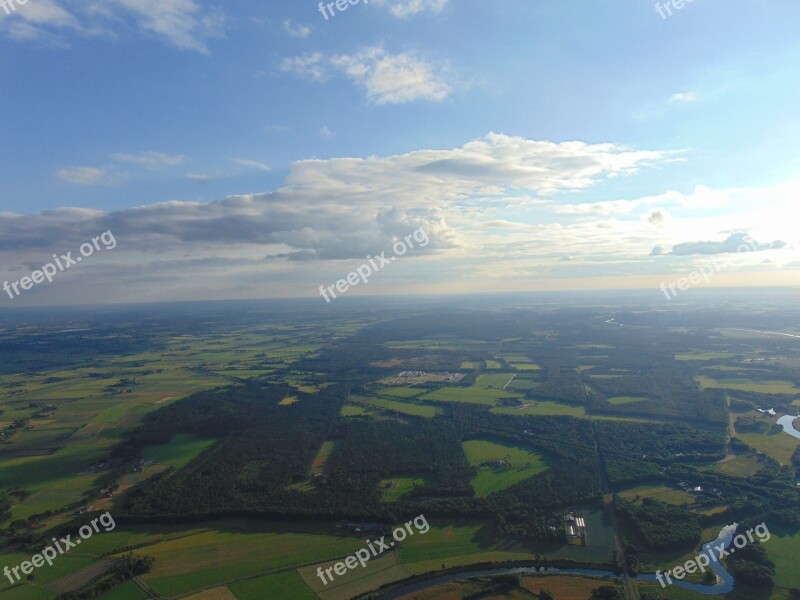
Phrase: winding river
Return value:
(787, 421)
(723, 586)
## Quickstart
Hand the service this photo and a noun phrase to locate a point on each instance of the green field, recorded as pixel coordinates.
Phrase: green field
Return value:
(210, 558)
(401, 392)
(177, 453)
(703, 356)
(408, 408)
(286, 585)
(353, 410)
(739, 465)
(783, 549)
(659, 492)
(516, 464)
(525, 366)
(520, 384)
(394, 488)
(542, 408)
(445, 541)
(779, 446)
(127, 591)
(486, 390)
(626, 399)
(776, 386)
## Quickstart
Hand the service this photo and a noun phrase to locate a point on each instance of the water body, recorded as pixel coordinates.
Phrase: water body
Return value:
(791, 335)
(787, 422)
(723, 586)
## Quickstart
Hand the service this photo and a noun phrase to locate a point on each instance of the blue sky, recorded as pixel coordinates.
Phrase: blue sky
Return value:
(253, 149)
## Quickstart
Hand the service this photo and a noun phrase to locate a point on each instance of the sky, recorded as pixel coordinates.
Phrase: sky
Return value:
(252, 149)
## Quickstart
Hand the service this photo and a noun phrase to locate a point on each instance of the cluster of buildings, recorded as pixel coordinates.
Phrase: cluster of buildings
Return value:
(698, 489)
(575, 527)
(410, 376)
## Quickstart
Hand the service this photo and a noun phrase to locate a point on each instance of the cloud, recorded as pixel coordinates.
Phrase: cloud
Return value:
(43, 21)
(661, 107)
(492, 207)
(735, 242)
(684, 97)
(407, 8)
(298, 31)
(198, 176)
(251, 163)
(326, 132)
(46, 13)
(85, 176)
(346, 207)
(387, 78)
(658, 218)
(155, 161)
(182, 23)
(311, 66)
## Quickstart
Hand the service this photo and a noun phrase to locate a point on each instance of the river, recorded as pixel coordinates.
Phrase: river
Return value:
(723, 586)
(787, 421)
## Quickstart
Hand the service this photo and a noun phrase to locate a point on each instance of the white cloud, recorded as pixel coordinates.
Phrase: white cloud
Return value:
(310, 66)
(480, 203)
(393, 79)
(84, 175)
(407, 8)
(326, 132)
(46, 13)
(298, 31)
(183, 23)
(347, 207)
(387, 78)
(684, 97)
(198, 176)
(251, 163)
(151, 160)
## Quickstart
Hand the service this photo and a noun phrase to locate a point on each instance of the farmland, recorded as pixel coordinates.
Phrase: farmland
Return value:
(183, 430)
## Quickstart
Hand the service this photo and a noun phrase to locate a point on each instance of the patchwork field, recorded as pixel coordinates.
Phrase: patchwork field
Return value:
(210, 558)
(487, 389)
